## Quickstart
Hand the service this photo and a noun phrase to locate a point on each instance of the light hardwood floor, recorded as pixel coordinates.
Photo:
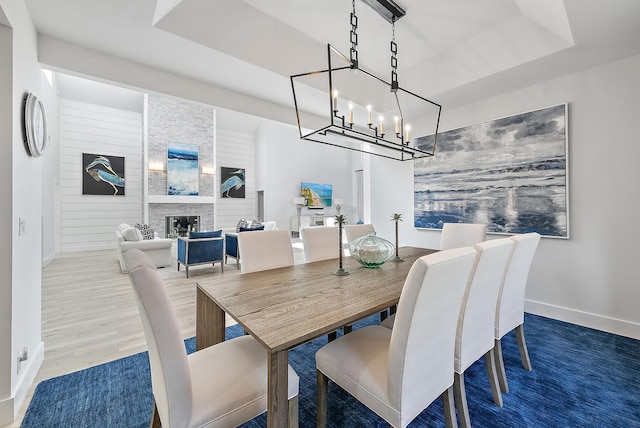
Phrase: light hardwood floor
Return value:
(89, 315)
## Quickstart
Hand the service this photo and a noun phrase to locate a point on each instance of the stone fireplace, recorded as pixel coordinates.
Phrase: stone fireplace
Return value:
(159, 213)
(181, 225)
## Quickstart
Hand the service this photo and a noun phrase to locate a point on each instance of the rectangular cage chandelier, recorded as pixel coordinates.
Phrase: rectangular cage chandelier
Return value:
(348, 107)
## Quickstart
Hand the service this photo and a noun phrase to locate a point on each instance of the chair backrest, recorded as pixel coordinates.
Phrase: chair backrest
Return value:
(170, 376)
(137, 258)
(474, 336)
(355, 231)
(510, 309)
(456, 235)
(262, 250)
(422, 340)
(320, 243)
(270, 225)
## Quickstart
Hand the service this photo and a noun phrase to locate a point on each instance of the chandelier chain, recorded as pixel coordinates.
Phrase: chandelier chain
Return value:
(353, 52)
(394, 59)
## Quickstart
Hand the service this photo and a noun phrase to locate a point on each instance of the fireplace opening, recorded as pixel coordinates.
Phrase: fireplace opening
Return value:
(181, 225)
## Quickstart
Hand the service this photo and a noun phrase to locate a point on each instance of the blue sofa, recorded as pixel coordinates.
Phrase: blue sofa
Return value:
(201, 248)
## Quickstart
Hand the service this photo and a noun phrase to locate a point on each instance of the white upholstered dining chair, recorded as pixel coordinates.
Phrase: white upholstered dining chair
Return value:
(320, 243)
(455, 235)
(264, 249)
(222, 385)
(510, 309)
(355, 231)
(474, 336)
(398, 372)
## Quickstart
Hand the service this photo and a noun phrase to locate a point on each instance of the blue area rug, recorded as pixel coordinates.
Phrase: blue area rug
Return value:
(581, 378)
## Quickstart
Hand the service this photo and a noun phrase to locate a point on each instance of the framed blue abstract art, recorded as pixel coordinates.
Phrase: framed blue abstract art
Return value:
(183, 177)
(510, 174)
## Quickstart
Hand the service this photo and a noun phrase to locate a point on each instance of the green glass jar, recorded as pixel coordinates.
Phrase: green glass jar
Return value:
(371, 251)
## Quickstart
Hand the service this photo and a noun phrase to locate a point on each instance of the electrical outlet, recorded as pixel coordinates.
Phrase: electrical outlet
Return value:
(23, 355)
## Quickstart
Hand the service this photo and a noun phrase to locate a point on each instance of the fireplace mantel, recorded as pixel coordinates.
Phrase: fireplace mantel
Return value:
(166, 199)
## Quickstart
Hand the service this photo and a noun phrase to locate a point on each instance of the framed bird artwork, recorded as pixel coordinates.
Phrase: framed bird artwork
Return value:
(232, 182)
(102, 174)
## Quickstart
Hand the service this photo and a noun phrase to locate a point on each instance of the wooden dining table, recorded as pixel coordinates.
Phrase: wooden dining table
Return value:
(283, 308)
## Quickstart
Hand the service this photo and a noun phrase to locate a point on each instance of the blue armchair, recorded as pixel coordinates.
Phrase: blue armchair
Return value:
(201, 248)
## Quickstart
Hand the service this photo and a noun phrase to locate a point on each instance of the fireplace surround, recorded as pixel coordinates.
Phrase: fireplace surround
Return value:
(181, 225)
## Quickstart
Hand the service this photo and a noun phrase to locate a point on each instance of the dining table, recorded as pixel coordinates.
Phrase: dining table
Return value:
(286, 307)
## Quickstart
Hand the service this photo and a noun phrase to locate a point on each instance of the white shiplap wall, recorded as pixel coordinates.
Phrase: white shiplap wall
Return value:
(235, 150)
(88, 222)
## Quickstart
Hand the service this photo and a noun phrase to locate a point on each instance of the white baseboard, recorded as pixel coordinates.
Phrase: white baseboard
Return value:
(51, 257)
(6, 411)
(10, 407)
(585, 319)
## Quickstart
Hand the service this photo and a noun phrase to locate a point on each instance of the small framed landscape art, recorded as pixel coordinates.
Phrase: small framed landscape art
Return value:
(510, 174)
(232, 182)
(183, 177)
(102, 175)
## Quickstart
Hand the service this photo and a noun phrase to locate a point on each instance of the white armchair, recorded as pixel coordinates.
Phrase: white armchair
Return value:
(128, 237)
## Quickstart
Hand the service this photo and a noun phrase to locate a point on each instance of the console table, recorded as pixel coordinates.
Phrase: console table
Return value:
(305, 221)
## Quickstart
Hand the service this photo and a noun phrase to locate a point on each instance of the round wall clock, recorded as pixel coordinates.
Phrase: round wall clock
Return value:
(35, 126)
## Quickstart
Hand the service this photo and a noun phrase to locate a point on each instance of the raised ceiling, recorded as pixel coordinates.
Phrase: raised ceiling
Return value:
(454, 51)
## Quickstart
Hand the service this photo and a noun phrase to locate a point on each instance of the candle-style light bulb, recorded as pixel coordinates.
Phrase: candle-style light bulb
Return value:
(369, 121)
(335, 100)
(396, 119)
(406, 133)
(350, 113)
(381, 119)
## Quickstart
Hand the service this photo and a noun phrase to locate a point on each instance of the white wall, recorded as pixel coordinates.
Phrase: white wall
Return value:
(591, 278)
(88, 222)
(20, 188)
(288, 161)
(50, 171)
(6, 217)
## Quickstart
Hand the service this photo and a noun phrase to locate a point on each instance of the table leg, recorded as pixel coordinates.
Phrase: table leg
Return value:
(210, 321)
(277, 400)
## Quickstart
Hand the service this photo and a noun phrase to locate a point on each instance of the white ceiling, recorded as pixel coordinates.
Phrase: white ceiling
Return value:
(451, 51)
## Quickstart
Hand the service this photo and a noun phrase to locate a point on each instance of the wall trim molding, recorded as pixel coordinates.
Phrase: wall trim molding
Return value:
(175, 199)
(585, 319)
(10, 407)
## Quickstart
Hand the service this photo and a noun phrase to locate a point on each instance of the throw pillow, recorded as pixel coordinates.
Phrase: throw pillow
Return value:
(241, 224)
(146, 230)
(132, 234)
(255, 224)
(213, 234)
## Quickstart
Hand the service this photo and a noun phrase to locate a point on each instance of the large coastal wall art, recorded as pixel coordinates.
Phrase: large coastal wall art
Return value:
(510, 174)
(102, 175)
(183, 177)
